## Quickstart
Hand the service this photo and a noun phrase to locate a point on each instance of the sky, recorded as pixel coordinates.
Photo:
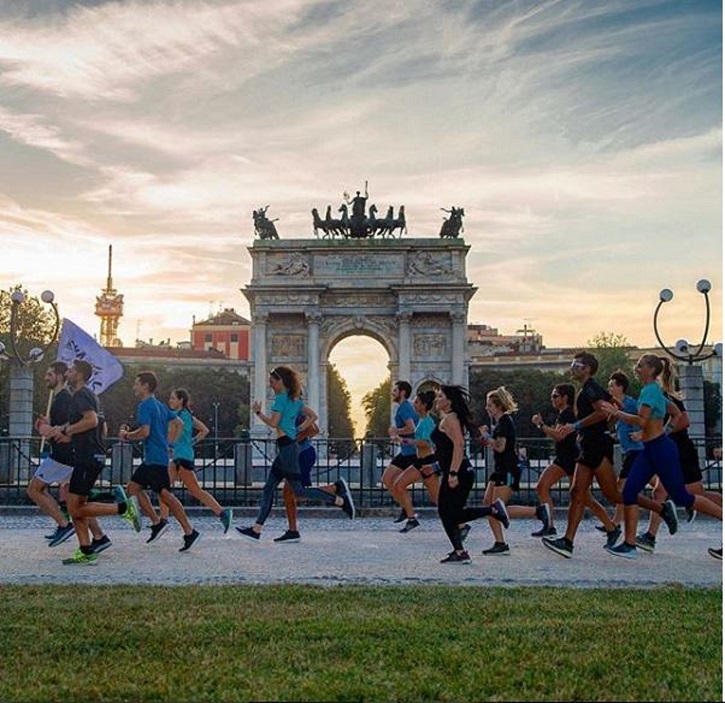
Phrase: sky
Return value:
(583, 139)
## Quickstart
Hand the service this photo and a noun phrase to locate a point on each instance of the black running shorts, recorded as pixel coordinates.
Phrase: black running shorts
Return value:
(153, 476)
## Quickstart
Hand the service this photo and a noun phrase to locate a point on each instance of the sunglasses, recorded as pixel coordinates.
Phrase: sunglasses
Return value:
(555, 395)
(275, 374)
(577, 365)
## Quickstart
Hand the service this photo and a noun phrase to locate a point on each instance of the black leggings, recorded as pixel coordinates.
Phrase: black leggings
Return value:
(452, 506)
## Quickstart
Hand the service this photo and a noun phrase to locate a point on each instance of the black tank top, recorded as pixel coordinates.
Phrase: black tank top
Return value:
(444, 451)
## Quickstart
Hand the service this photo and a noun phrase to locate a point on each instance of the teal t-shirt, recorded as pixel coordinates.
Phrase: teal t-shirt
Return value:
(183, 448)
(288, 409)
(423, 429)
(652, 396)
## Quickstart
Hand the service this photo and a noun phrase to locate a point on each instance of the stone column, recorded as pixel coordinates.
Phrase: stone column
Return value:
(313, 360)
(403, 319)
(458, 348)
(20, 425)
(259, 374)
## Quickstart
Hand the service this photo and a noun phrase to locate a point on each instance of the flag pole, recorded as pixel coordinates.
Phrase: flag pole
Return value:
(47, 415)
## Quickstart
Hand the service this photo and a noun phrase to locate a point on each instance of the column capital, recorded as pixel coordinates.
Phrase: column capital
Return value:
(260, 318)
(457, 316)
(404, 317)
(314, 317)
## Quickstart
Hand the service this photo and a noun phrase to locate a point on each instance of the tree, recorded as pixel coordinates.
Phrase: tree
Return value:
(713, 408)
(377, 409)
(339, 404)
(612, 351)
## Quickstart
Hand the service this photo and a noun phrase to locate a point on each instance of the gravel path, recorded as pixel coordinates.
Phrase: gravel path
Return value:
(367, 551)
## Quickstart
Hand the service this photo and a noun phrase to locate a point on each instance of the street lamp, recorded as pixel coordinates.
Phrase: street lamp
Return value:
(21, 381)
(691, 380)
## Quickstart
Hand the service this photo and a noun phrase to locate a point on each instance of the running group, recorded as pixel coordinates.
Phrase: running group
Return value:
(432, 430)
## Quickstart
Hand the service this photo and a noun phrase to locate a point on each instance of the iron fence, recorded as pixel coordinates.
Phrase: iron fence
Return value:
(235, 469)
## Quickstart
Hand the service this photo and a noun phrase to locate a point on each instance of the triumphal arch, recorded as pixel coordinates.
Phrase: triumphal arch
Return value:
(410, 294)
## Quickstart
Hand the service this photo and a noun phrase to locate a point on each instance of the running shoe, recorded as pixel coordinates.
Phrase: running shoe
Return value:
(157, 530)
(348, 507)
(498, 510)
(544, 532)
(133, 513)
(190, 539)
(691, 514)
(226, 518)
(613, 537)
(543, 513)
(669, 515)
(248, 532)
(288, 536)
(627, 551)
(81, 559)
(101, 544)
(410, 524)
(715, 553)
(62, 534)
(402, 517)
(463, 531)
(119, 493)
(498, 549)
(645, 542)
(456, 558)
(562, 546)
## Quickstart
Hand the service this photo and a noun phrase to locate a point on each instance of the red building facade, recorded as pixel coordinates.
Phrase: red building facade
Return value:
(226, 332)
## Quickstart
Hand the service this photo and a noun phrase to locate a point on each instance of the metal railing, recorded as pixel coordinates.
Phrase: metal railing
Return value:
(235, 469)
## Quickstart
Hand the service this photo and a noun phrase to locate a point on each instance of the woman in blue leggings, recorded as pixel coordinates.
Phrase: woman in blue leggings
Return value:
(659, 455)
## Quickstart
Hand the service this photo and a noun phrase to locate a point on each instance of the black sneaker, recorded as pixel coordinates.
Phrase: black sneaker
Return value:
(613, 537)
(410, 524)
(463, 532)
(402, 517)
(691, 515)
(561, 545)
(646, 542)
(544, 532)
(189, 540)
(456, 558)
(288, 536)
(248, 532)
(62, 534)
(158, 530)
(348, 507)
(543, 513)
(669, 515)
(715, 553)
(101, 544)
(499, 548)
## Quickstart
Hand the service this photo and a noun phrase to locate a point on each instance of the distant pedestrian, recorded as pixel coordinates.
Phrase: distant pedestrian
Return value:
(287, 405)
(153, 419)
(181, 450)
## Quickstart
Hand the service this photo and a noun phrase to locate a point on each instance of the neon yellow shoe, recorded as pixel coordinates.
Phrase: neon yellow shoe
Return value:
(133, 513)
(81, 559)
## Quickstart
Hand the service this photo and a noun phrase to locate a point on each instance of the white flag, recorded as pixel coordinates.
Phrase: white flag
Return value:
(75, 343)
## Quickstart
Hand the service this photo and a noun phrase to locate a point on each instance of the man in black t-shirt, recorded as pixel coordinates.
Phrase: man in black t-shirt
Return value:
(85, 431)
(57, 466)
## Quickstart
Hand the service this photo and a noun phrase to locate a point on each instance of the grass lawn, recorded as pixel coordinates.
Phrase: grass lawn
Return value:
(438, 643)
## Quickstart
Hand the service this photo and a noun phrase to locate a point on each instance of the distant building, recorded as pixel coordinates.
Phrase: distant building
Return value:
(486, 341)
(226, 332)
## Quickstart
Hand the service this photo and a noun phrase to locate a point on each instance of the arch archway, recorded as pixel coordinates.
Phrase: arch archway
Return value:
(306, 295)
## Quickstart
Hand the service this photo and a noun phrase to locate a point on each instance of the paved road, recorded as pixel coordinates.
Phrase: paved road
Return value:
(367, 551)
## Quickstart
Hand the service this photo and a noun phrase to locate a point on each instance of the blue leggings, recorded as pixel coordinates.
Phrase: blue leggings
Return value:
(286, 466)
(660, 457)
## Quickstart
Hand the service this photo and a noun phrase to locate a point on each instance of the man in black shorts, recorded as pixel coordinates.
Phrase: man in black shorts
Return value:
(83, 430)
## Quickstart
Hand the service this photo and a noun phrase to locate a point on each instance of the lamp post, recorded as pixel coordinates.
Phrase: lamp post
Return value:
(216, 429)
(691, 380)
(21, 383)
